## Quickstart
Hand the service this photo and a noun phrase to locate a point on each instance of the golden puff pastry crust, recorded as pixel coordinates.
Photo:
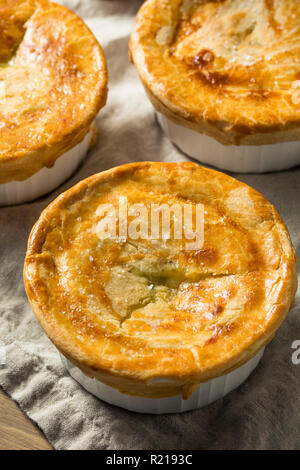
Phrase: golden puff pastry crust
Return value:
(226, 68)
(149, 317)
(53, 81)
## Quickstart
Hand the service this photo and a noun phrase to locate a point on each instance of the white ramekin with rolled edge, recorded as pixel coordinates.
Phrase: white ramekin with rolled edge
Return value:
(46, 179)
(206, 393)
(234, 158)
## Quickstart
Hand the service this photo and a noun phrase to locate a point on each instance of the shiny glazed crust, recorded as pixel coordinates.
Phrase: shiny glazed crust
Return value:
(226, 68)
(53, 81)
(147, 316)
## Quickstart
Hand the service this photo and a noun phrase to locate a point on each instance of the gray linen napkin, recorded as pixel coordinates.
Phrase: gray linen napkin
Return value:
(261, 414)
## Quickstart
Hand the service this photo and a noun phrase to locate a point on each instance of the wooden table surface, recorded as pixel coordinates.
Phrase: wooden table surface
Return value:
(16, 431)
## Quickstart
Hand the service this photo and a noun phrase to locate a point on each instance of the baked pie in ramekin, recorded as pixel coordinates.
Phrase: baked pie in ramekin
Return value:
(53, 82)
(148, 323)
(224, 77)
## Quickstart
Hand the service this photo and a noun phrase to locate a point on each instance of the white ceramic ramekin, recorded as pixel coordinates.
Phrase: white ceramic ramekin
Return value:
(235, 158)
(47, 179)
(205, 394)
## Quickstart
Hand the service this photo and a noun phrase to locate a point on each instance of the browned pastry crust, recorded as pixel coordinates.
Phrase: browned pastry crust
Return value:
(53, 81)
(147, 316)
(229, 68)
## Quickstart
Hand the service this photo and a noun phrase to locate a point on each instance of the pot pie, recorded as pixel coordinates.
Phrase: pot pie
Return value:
(228, 70)
(53, 82)
(146, 316)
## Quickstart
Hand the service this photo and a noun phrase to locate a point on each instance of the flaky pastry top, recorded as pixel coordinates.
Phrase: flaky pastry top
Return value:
(53, 82)
(148, 316)
(227, 68)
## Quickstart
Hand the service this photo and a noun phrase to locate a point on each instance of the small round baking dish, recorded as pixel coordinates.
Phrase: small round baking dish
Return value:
(206, 393)
(234, 158)
(46, 179)
(176, 324)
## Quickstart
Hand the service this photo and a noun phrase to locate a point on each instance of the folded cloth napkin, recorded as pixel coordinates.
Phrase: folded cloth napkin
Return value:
(261, 414)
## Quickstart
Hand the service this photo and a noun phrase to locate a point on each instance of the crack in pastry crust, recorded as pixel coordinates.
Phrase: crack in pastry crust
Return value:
(53, 82)
(229, 68)
(130, 312)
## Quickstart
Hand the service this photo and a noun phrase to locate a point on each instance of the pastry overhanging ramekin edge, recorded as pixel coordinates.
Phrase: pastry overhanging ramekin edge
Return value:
(205, 394)
(47, 179)
(233, 158)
